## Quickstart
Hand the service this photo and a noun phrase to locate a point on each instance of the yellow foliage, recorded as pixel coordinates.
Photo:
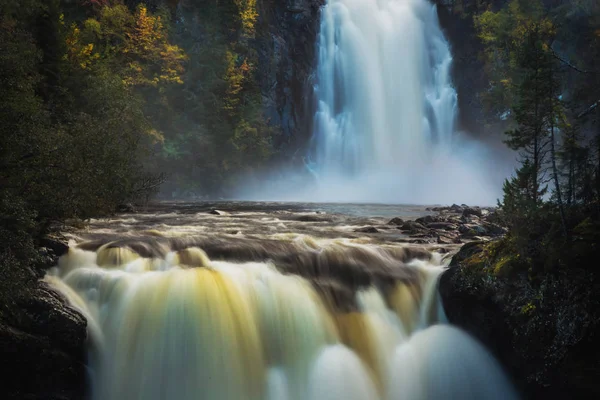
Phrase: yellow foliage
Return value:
(148, 44)
(528, 309)
(248, 15)
(78, 53)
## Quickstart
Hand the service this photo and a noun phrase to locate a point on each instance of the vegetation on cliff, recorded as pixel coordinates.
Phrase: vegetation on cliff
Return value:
(533, 295)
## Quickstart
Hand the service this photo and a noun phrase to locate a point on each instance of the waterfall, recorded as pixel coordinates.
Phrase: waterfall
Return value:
(386, 110)
(384, 92)
(316, 320)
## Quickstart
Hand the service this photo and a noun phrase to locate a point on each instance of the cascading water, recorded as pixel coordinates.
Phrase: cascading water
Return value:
(384, 128)
(384, 91)
(278, 317)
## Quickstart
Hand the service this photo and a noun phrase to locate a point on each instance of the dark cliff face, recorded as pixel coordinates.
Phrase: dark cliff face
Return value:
(286, 39)
(544, 334)
(468, 73)
(42, 338)
(42, 348)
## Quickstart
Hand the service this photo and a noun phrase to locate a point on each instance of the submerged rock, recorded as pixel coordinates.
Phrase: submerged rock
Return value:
(367, 229)
(217, 212)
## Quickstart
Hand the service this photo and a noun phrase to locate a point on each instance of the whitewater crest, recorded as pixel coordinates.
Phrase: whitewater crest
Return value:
(215, 315)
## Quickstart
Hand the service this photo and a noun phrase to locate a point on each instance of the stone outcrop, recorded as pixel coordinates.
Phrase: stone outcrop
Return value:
(42, 338)
(287, 38)
(544, 333)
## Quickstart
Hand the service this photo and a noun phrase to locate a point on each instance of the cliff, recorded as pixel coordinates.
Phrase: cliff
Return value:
(286, 43)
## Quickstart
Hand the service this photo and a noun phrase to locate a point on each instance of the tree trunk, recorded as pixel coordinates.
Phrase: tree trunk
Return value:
(559, 200)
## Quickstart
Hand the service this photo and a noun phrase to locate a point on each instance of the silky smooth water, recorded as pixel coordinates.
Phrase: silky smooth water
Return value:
(384, 92)
(190, 310)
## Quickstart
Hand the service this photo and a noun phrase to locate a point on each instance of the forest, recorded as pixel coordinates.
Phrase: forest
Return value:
(102, 102)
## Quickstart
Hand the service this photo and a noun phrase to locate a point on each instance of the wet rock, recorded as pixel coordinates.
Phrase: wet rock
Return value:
(412, 226)
(56, 243)
(429, 219)
(396, 221)
(444, 240)
(545, 338)
(448, 226)
(126, 208)
(455, 208)
(469, 211)
(312, 218)
(217, 212)
(367, 229)
(285, 44)
(42, 347)
(472, 230)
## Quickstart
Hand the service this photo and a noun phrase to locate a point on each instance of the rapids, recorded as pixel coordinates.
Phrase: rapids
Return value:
(266, 301)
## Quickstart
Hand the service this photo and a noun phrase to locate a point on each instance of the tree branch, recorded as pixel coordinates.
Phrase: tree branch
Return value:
(568, 64)
(588, 110)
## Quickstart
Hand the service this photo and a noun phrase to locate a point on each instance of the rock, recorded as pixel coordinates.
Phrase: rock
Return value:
(429, 219)
(312, 218)
(442, 225)
(217, 212)
(495, 229)
(126, 208)
(471, 230)
(455, 208)
(545, 339)
(444, 240)
(396, 221)
(42, 347)
(472, 211)
(286, 34)
(412, 226)
(367, 229)
(58, 244)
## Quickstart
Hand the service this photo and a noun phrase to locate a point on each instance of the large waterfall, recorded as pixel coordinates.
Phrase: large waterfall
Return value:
(195, 311)
(384, 92)
(384, 129)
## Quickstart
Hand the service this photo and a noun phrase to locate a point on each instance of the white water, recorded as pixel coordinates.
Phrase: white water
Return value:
(181, 326)
(384, 92)
(384, 129)
(385, 121)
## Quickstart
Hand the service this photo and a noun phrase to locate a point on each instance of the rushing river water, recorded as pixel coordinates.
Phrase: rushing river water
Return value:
(267, 301)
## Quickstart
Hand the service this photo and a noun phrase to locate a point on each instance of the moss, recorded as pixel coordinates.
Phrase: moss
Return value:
(475, 261)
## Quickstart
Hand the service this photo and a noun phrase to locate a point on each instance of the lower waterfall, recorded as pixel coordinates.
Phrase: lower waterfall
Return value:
(287, 317)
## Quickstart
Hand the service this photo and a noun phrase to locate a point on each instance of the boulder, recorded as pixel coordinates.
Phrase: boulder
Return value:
(217, 212)
(545, 339)
(367, 229)
(126, 208)
(412, 226)
(447, 226)
(429, 219)
(42, 347)
(469, 211)
(396, 221)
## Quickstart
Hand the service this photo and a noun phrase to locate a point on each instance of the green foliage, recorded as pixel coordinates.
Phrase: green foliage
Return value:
(75, 131)
(535, 82)
(214, 126)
